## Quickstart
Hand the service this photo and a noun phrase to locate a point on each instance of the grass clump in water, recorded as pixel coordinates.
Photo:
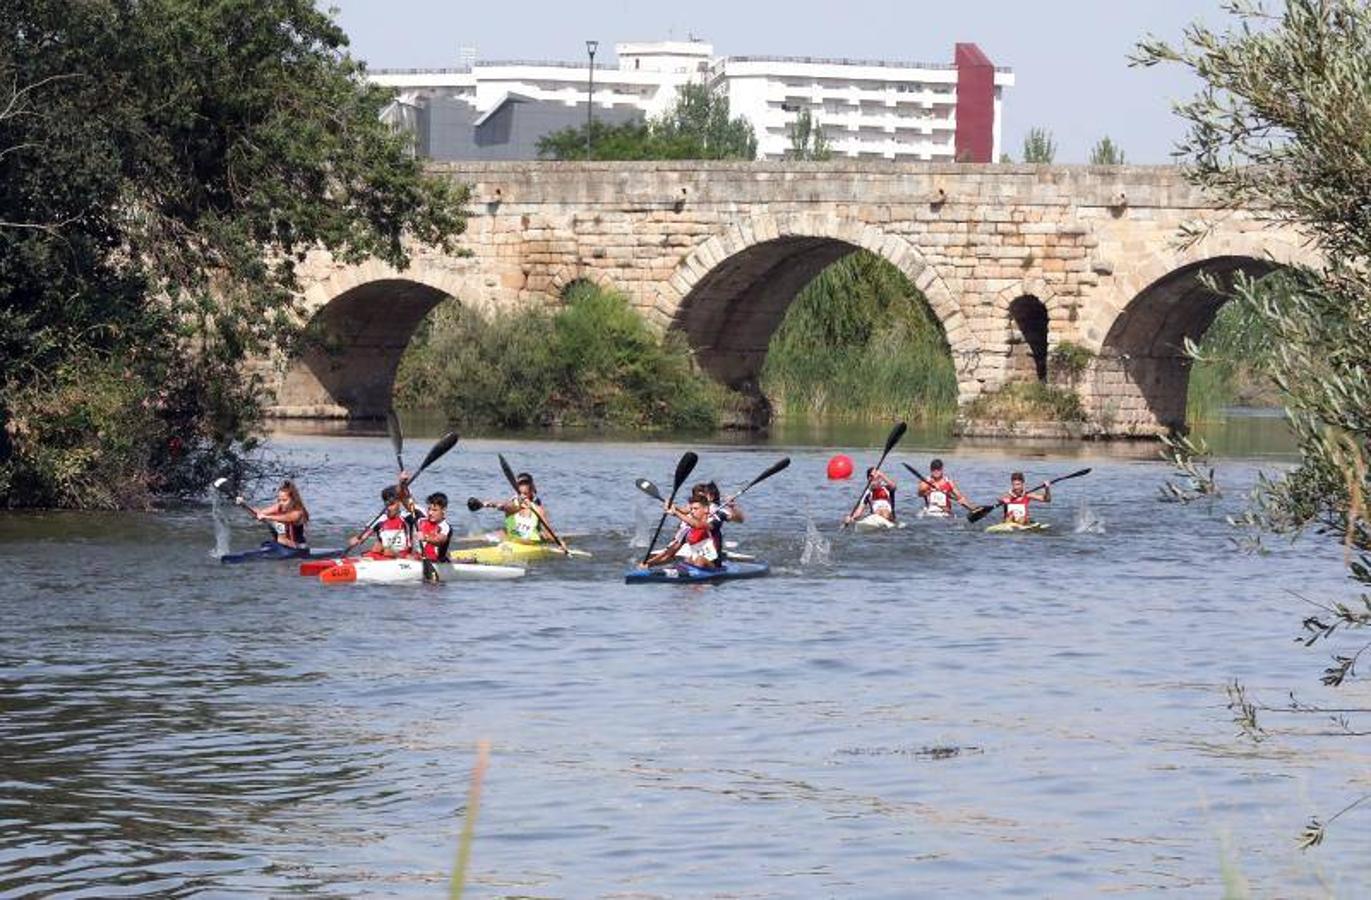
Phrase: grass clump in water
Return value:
(1027, 401)
(860, 342)
(594, 362)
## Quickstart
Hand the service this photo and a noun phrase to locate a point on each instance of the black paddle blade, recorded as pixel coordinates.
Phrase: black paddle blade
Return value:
(1072, 475)
(397, 437)
(684, 467)
(445, 443)
(474, 505)
(895, 434)
(223, 486)
(981, 512)
(648, 488)
(509, 472)
(775, 467)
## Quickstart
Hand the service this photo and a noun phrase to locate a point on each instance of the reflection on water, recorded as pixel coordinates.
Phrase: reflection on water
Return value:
(933, 711)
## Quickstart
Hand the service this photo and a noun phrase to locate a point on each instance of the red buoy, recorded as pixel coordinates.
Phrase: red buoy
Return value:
(840, 467)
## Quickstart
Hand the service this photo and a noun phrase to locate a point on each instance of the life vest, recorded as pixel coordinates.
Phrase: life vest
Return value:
(1016, 508)
(395, 534)
(429, 549)
(523, 525)
(939, 496)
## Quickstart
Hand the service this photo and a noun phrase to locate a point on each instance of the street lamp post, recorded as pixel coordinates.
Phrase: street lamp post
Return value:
(591, 47)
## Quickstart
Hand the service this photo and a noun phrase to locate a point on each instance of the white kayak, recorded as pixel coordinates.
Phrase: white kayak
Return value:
(874, 522)
(397, 571)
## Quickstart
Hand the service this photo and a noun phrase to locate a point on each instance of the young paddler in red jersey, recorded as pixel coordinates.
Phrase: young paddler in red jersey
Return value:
(394, 527)
(434, 532)
(1017, 500)
(939, 491)
(287, 516)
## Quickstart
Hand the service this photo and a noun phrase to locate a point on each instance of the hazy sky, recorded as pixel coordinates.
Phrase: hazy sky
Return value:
(1069, 56)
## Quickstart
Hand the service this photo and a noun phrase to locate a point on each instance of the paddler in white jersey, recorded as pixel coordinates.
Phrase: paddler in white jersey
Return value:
(522, 512)
(939, 491)
(394, 527)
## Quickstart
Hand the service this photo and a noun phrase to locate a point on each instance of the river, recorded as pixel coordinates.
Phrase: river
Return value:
(933, 711)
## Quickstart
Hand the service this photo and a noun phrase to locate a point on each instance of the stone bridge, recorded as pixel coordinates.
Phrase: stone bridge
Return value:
(1014, 260)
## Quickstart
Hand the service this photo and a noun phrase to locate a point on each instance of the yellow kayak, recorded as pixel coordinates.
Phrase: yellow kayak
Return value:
(505, 551)
(1016, 528)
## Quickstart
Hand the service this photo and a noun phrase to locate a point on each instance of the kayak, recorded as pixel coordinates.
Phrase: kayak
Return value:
(1016, 528)
(397, 571)
(508, 551)
(272, 550)
(729, 553)
(874, 522)
(684, 573)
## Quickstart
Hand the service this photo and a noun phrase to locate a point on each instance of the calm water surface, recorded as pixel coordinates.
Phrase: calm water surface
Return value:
(932, 711)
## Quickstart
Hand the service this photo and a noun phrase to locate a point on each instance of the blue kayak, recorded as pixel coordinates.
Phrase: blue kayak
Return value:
(684, 573)
(272, 550)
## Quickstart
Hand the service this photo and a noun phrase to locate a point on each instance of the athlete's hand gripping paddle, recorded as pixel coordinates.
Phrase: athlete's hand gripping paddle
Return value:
(684, 467)
(983, 511)
(895, 434)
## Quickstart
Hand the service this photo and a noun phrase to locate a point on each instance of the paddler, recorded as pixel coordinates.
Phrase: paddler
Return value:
(394, 527)
(522, 512)
(287, 516)
(694, 536)
(720, 512)
(939, 491)
(1017, 500)
(879, 499)
(434, 532)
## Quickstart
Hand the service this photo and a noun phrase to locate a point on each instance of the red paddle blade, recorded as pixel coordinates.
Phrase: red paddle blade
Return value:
(344, 574)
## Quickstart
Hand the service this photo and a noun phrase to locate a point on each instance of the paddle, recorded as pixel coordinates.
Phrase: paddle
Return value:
(435, 453)
(397, 437)
(772, 470)
(684, 467)
(222, 486)
(514, 483)
(895, 434)
(650, 489)
(982, 511)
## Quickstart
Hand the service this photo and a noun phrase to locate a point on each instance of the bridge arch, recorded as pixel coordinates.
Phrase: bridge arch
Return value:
(360, 320)
(731, 292)
(1139, 380)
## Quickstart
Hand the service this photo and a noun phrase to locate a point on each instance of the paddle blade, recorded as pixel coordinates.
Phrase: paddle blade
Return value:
(1072, 475)
(775, 467)
(684, 467)
(981, 512)
(445, 443)
(222, 486)
(895, 434)
(474, 505)
(648, 488)
(397, 437)
(509, 472)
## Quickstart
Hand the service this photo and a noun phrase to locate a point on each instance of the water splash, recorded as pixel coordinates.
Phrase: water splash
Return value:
(219, 514)
(817, 550)
(644, 521)
(1088, 521)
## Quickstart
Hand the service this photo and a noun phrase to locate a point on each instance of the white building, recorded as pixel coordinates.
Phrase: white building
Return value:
(866, 108)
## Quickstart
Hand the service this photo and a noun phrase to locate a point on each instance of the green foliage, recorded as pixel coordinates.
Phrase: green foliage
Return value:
(1038, 147)
(860, 342)
(807, 139)
(594, 362)
(1106, 153)
(163, 166)
(1227, 368)
(696, 126)
(1070, 360)
(1027, 401)
(1281, 123)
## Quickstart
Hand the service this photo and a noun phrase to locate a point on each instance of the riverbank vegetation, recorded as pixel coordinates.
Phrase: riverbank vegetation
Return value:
(1228, 369)
(592, 363)
(163, 166)
(860, 342)
(1282, 123)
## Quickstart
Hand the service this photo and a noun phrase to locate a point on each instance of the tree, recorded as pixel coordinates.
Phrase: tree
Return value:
(1281, 123)
(1106, 153)
(1038, 147)
(696, 126)
(807, 139)
(164, 166)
